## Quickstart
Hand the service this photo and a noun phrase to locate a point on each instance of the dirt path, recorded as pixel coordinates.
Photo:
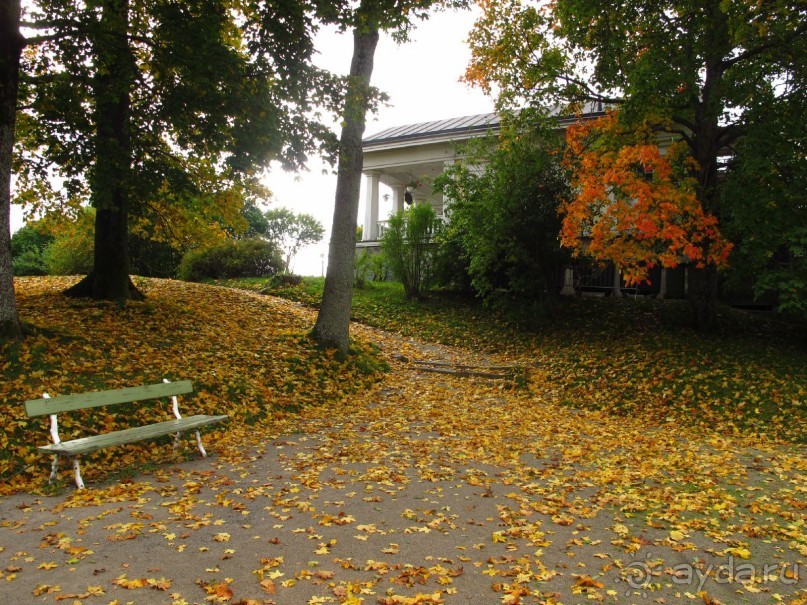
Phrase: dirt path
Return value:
(432, 488)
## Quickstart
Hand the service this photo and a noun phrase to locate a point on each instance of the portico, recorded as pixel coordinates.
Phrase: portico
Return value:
(400, 164)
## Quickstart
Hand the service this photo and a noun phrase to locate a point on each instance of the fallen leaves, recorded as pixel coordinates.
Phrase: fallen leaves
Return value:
(417, 489)
(246, 354)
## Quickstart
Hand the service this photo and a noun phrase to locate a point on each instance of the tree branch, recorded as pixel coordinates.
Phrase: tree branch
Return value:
(777, 43)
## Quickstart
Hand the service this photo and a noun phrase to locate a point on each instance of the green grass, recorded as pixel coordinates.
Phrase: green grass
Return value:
(629, 357)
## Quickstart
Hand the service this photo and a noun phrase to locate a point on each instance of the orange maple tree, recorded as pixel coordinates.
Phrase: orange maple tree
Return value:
(634, 203)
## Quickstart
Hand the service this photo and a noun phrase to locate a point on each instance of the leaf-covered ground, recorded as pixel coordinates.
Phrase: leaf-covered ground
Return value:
(629, 356)
(412, 488)
(247, 356)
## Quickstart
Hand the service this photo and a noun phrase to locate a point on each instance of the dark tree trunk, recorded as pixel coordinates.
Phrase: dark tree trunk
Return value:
(11, 43)
(110, 180)
(702, 295)
(333, 321)
(706, 146)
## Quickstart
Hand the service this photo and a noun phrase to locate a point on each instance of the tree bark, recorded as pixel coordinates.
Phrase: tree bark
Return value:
(332, 328)
(110, 179)
(706, 147)
(703, 298)
(11, 44)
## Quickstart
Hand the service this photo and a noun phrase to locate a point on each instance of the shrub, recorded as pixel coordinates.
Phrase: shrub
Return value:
(369, 266)
(71, 254)
(285, 280)
(503, 220)
(28, 246)
(408, 245)
(30, 262)
(233, 258)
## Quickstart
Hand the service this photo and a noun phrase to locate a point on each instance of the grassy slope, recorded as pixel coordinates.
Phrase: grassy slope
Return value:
(627, 356)
(247, 355)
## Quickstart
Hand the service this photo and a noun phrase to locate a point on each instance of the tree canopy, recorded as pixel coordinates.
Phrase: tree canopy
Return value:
(291, 231)
(701, 71)
(150, 109)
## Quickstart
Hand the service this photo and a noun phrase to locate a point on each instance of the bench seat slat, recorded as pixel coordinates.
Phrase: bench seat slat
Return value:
(67, 403)
(95, 442)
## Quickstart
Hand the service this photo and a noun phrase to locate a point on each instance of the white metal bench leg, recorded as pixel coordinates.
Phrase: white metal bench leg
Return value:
(79, 481)
(199, 443)
(54, 469)
(176, 440)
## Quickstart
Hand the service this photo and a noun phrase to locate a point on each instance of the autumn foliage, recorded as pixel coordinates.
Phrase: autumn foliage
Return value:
(635, 203)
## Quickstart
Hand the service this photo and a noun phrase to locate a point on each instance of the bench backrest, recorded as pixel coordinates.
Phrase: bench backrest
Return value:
(66, 403)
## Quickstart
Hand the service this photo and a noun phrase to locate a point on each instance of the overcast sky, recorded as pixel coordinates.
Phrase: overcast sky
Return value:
(421, 78)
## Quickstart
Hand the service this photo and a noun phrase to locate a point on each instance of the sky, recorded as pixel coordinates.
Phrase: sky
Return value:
(421, 78)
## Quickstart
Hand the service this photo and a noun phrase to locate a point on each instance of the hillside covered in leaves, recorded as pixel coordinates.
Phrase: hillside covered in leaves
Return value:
(635, 357)
(247, 355)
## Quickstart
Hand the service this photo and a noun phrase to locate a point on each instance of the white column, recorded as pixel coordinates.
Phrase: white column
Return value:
(398, 199)
(617, 283)
(447, 200)
(662, 291)
(370, 231)
(568, 282)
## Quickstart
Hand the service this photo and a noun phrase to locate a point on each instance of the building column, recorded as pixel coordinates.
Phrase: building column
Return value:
(398, 199)
(568, 282)
(662, 290)
(447, 200)
(370, 230)
(617, 292)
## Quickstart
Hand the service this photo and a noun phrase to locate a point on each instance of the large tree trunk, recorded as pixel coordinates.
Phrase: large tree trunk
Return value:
(11, 43)
(702, 296)
(110, 180)
(706, 145)
(333, 321)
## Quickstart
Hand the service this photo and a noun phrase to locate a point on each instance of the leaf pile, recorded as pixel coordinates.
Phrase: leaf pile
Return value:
(247, 356)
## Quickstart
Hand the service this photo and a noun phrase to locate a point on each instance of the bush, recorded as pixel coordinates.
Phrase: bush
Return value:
(233, 258)
(369, 266)
(408, 245)
(28, 246)
(71, 254)
(503, 223)
(285, 280)
(30, 262)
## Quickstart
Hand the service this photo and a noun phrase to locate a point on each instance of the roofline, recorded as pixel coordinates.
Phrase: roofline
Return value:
(449, 135)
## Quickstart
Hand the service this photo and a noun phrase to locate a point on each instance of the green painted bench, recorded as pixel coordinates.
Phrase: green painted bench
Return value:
(76, 447)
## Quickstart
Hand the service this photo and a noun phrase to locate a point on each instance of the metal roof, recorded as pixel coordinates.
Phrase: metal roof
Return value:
(463, 125)
(466, 125)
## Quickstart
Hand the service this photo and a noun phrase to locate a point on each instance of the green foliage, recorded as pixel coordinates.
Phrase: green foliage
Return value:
(766, 209)
(285, 280)
(408, 245)
(70, 255)
(256, 221)
(369, 267)
(163, 115)
(233, 258)
(290, 232)
(503, 227)
(28, 247)
(708, 74)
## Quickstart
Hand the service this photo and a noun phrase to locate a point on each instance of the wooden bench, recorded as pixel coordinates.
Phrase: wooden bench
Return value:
(74, 448)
